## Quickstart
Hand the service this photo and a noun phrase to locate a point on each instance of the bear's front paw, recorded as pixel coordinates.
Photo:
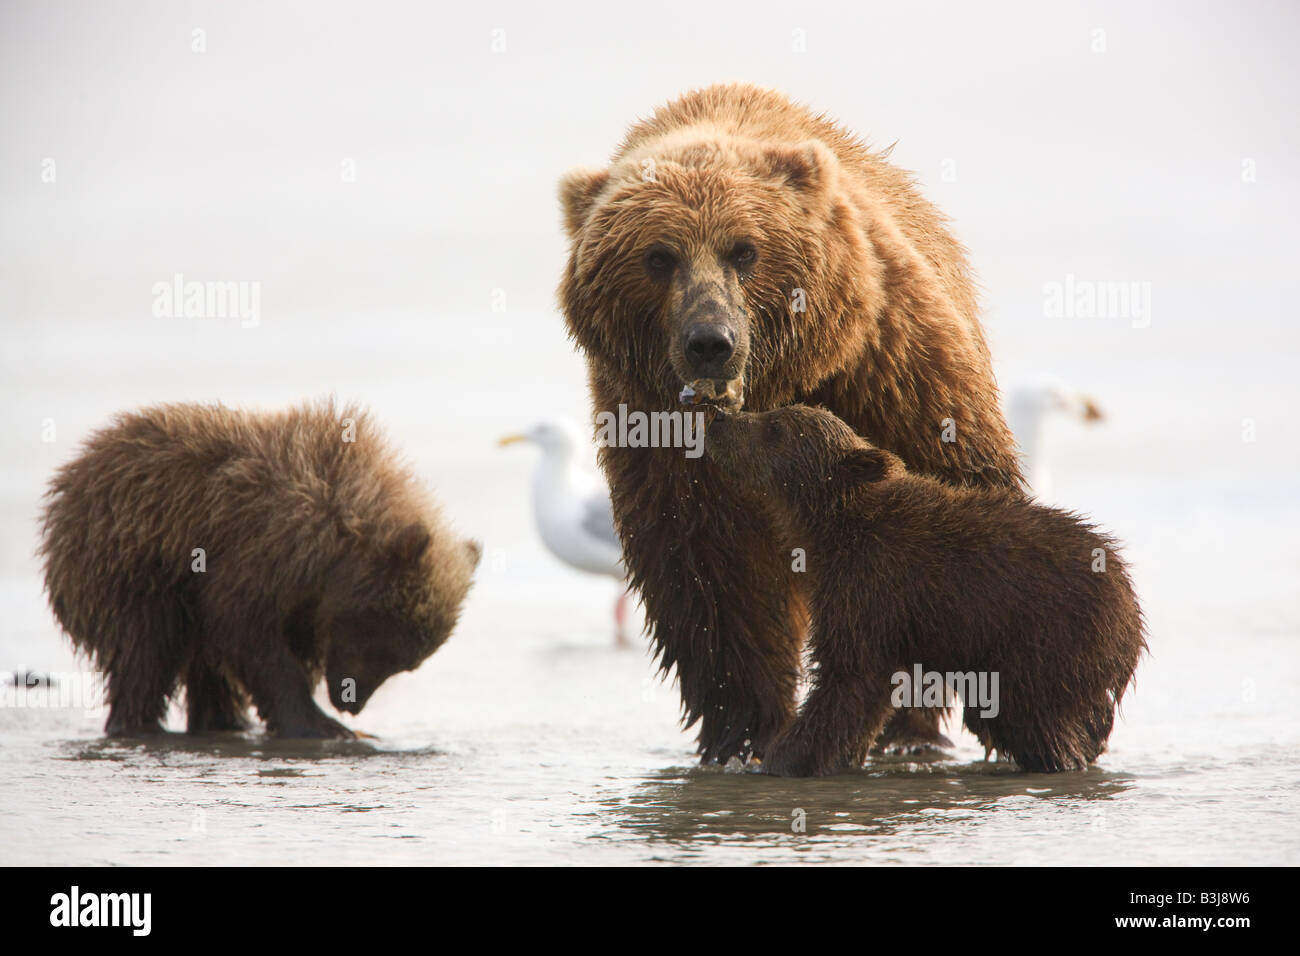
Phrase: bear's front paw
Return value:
(788, 759)
(333, 730)
(137, 729)
(912, 731)
(326, 728)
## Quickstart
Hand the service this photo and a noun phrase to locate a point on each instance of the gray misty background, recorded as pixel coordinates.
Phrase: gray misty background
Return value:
(1111, 142)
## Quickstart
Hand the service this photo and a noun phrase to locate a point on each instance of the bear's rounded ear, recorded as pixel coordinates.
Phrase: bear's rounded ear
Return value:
(578, 191)
(808, 167)
(475, 551)
(862, 466)
(406, 547)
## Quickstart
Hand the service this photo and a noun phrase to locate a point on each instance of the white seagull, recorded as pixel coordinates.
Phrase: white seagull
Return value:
(1027, 412)
(572, 509)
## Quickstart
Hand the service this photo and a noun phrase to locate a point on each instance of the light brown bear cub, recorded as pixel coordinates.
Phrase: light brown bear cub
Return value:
(246, 555)
(904, 570)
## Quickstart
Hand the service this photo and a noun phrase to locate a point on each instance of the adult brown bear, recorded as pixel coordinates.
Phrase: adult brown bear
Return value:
(738, 235)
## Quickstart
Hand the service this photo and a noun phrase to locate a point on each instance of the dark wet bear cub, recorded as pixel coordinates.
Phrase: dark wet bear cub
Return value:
(244, 555)
(904, 572)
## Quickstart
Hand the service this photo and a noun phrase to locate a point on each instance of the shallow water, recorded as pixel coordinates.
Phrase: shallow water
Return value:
(258, 801)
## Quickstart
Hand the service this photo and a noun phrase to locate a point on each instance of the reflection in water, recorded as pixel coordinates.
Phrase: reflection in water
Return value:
(251, 745)
(890, 796)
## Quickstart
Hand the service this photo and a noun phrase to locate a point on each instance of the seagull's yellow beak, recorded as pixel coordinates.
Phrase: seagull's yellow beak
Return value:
(511, 439)
(1092, 411)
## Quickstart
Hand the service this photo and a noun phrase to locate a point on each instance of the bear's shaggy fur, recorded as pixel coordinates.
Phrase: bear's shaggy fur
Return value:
(738, 235)
(321, 555)
(904, 570)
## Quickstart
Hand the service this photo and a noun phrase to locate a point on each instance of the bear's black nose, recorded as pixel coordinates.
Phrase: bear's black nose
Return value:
(708, 347)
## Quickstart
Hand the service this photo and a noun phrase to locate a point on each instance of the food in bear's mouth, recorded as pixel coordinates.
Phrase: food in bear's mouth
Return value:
(721, 392)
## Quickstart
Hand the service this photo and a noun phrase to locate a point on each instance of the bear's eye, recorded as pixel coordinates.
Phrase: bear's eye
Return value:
(659, 261)
(743, 255)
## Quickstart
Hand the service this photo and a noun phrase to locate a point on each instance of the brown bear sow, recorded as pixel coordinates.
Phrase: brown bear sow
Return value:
(904, 570)
(739, 236)
(244, 555)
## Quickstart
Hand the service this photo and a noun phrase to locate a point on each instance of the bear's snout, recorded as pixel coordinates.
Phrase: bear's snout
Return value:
(349, 693)
(708, 347)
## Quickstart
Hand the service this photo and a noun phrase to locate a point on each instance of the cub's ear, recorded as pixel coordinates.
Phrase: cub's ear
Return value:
(475, 552)
(578, 190)
(406, 547)
(808, 167)
(862, 466)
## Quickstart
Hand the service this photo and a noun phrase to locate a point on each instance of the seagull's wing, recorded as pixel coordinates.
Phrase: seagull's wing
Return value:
(598, 520)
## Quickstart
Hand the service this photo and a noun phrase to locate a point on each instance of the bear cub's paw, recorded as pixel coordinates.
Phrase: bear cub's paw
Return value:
(789, 758)
(326, 728)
